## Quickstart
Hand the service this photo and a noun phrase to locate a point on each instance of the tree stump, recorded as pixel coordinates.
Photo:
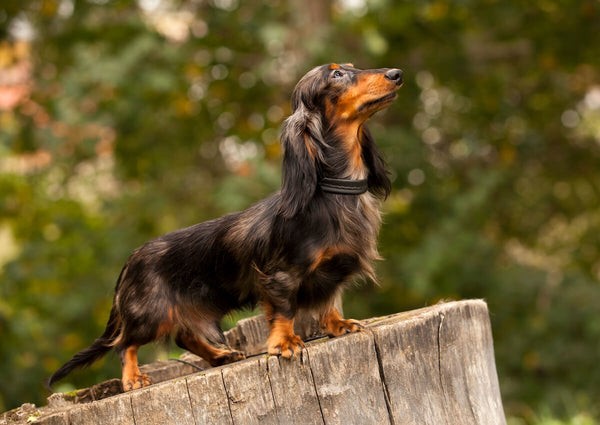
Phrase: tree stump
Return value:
(429, 366)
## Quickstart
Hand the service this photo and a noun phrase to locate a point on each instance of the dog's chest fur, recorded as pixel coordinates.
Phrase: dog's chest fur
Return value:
(332, 225)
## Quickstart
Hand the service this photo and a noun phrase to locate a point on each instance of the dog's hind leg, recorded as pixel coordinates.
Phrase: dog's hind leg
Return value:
(200, 346)
(143, 330)
(132, 377)
(335, 325)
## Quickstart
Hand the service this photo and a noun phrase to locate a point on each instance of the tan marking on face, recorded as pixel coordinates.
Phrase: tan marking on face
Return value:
(368, 88)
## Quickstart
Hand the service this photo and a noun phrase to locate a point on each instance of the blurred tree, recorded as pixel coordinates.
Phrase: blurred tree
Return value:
(124, 120)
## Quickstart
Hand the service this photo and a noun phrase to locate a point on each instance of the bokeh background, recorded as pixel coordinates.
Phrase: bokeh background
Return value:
(122, 120)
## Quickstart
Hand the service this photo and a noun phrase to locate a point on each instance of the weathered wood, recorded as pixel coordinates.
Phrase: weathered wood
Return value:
(347, 381)
(468, 373)
(294, 392)
(249, 393)
(163, 404)
(435, 366)
(409, 362)
(429, 366)
(165, 370)
(249, 335)
(59, 418)
(210, 404)
(113, 410)
(106, 389)
(20, 414)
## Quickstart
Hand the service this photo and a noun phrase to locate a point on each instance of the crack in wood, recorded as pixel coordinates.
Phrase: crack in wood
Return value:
(228, 396)
(132, 411)
(439, 351)
(263, 366)
(187, 388)
(386, 393)
(312, 377)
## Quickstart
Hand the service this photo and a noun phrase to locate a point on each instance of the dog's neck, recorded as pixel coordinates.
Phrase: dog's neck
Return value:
(344, 186)
(345, 157)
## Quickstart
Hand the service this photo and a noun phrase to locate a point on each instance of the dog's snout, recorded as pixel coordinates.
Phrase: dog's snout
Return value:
(394, 75)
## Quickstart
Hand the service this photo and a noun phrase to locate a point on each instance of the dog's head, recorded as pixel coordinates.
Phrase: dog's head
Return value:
(329, 107)
(343, 92)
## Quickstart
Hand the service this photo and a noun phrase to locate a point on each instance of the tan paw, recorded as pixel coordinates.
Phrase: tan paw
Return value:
(227, 357)
(286, 346)
(136, 381)
(337, 327)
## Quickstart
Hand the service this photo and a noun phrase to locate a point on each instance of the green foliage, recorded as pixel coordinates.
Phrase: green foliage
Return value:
(148, 116)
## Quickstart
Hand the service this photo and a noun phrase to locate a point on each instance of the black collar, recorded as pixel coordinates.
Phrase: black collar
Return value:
(343, 186)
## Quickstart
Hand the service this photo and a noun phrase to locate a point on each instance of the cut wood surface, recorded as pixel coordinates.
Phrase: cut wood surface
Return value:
(429, 366)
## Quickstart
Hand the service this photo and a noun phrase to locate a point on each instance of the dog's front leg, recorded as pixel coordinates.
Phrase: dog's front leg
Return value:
(278, 300)
(282, 339)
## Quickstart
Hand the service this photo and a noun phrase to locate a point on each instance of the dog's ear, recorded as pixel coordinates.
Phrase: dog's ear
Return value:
(379, 176)
(307, 93)
(300, 137)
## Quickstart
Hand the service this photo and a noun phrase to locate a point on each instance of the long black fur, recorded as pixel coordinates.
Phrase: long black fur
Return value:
(295, 250)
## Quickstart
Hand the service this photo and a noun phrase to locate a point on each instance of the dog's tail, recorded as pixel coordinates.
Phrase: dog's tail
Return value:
(94, 352)
(99, 347)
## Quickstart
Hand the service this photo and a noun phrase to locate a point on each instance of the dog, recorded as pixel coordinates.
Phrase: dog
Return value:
(293, 251)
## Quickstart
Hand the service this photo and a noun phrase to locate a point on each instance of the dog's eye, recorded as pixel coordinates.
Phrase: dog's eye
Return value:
(337, 74)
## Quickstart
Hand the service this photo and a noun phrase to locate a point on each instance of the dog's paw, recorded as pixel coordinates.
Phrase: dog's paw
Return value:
(286, 346)
(337, 327)
(228, 357)
(133, 382)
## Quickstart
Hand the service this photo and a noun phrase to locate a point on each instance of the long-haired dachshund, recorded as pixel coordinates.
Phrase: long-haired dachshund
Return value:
(295, 250)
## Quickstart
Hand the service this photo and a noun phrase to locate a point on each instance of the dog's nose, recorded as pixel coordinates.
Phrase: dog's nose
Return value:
(395, 75)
